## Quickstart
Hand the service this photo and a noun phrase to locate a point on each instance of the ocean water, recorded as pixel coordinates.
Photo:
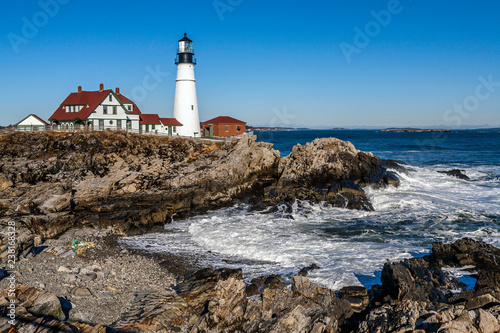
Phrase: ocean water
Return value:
(351, 246)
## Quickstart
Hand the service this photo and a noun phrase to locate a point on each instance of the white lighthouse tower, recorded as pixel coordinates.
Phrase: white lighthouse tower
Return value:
(186, 103)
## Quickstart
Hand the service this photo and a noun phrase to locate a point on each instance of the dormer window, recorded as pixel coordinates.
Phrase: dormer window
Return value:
(130, 107)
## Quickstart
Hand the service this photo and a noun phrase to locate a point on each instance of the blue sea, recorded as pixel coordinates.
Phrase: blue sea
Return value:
(352, 246)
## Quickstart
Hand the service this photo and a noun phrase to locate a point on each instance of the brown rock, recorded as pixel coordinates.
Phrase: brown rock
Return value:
(480, 301)
(36, 302)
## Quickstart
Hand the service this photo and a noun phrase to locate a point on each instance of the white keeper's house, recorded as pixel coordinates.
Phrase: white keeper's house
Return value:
(31, 123)
(108, 109)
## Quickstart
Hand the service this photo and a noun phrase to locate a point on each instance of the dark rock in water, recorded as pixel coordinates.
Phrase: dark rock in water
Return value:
(465, 252)
(305, 270)
(393, 164)
(414, 280)
(456, 173)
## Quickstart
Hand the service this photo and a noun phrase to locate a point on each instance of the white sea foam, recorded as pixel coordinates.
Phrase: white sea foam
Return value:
(464, 274)
(350, 246)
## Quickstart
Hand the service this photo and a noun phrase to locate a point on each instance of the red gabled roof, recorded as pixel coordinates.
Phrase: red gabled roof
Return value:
(43, 121)
(224, 120)
(170, 122)
(90, 98)
(135, 109)
(123, 99)
(150, 119)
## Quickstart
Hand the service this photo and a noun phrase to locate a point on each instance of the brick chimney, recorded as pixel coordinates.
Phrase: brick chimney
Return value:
(79, 89)
(101, 87)
(117, 91)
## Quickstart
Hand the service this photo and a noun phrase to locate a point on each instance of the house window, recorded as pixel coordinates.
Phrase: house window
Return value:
(227, 128)
(238, 128)
(111, 98)
(114, 109)
(66, 108)
(152, 127)
(111, 122)
(174, 129)
(105, 109)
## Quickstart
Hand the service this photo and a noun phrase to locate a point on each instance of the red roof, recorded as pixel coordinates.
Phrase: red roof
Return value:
(124, 99)
(43, 121)
(170, 121)
(151, 119)
(90, 98)
(224, 120)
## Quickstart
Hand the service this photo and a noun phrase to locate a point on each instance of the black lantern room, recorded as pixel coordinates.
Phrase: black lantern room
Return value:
(185, 54)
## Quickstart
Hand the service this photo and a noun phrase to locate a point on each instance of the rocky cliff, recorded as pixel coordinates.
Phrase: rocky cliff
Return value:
(53, 181)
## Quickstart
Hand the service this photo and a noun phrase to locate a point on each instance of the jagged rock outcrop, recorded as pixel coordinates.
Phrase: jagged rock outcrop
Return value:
(50, 182)
(417, 296)
(329, 170)
(216, 301)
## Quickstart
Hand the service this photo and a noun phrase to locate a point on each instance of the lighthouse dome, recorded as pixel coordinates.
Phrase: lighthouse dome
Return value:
(185, 39)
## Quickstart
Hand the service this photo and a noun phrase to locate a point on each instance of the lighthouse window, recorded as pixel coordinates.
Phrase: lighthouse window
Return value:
(192, 107)
(227, 128)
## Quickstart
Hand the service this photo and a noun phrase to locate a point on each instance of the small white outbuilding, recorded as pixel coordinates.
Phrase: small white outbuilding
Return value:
(32, 123)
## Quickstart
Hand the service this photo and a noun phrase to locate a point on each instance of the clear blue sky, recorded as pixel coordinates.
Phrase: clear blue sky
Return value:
(270, 63)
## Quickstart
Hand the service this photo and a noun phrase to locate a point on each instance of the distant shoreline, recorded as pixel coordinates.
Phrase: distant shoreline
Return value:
(414, 130)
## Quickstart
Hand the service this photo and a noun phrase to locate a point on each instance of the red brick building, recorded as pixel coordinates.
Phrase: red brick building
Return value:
(223, 127)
